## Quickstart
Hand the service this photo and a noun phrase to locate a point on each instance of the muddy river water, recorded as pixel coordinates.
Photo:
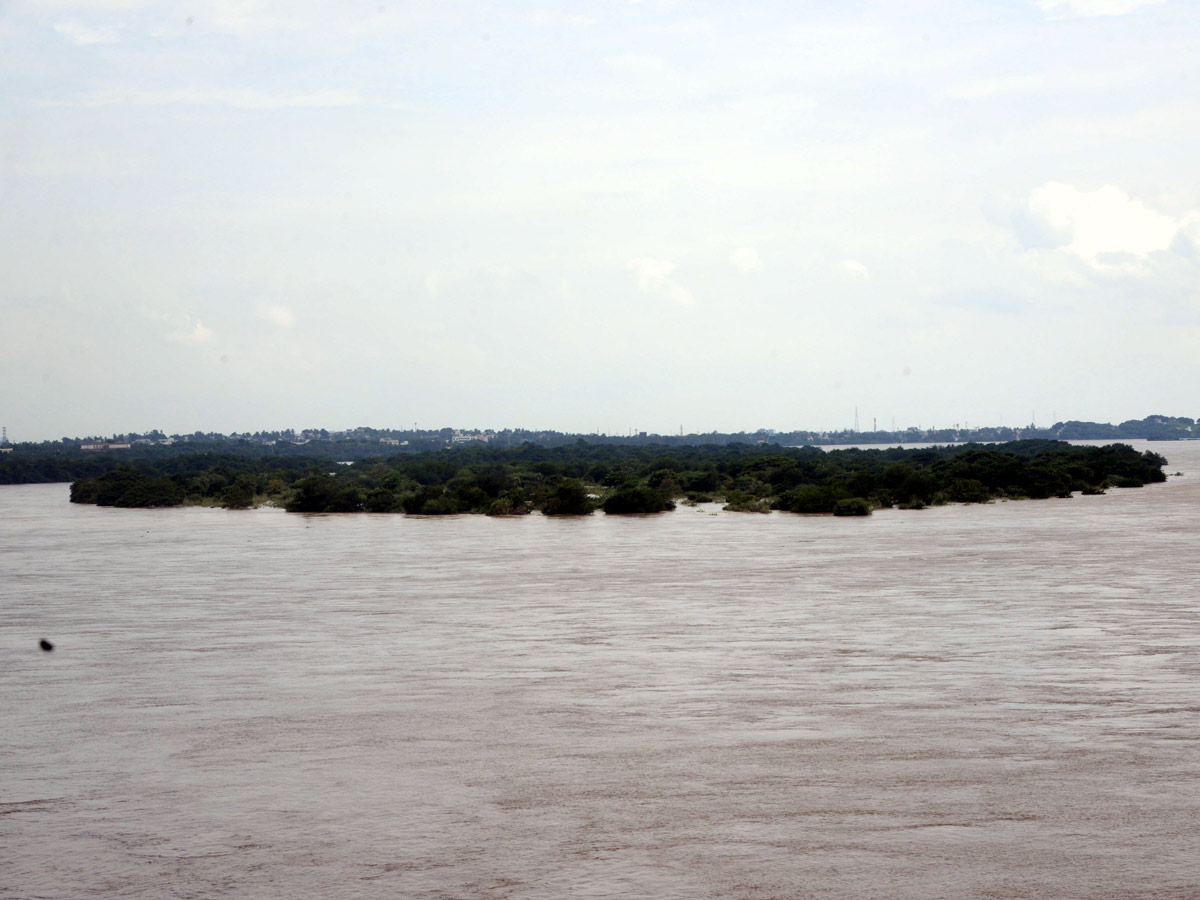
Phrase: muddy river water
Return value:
(996, 701)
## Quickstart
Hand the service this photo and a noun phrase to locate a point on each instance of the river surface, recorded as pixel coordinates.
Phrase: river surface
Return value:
(997, 701)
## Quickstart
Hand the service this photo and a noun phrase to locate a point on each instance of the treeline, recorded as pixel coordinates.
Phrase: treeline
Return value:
(1153, 428)
(580, 478)
(235, 482)
(44, 467)
(64, 460)
(53, 461)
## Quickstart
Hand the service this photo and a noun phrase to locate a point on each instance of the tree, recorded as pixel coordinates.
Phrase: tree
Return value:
(633, 499)
(236, 496)
(568, 498)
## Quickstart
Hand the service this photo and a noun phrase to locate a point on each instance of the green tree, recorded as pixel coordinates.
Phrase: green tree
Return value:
(568, 498)
(637, 498)
(237, 496)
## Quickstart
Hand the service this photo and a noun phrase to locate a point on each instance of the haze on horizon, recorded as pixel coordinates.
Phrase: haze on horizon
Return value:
(590, 217)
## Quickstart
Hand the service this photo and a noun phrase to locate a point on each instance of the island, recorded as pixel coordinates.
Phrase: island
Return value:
(581, 478)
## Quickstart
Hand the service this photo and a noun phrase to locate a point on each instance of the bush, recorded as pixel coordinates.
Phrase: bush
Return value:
(380, 500)
(430, 500)
(321, 493)
(509, 503)
(664, 481)
(568, 498)
(739, 501)
(236, 496)
(811, 499)
(501, 506)
(445, 505)
(1124, 481)
(127, 487)
(854, 506)
(636, 499)
(968, 490)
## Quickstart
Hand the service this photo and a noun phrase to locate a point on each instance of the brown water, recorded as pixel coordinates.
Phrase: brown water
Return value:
(994, 701)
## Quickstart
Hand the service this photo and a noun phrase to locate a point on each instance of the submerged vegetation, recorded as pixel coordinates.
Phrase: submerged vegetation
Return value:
(578, 479)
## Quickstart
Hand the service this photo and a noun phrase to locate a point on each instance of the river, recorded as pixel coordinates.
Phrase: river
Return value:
(997, 701)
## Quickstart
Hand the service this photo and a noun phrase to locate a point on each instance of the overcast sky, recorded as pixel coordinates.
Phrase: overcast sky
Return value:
(596, 216)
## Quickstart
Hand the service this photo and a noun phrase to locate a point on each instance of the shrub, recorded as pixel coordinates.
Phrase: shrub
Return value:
(321, 493)
(380, 500)
(968, 490)
(568, 498)
(811, 499)
(854, 506)
(636, 499)
(236, 496)
(739, 501)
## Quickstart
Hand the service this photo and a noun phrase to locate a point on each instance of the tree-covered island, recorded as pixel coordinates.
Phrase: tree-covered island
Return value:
(622, 479)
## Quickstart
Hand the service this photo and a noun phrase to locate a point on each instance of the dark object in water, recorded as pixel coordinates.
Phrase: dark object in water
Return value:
(45, 645)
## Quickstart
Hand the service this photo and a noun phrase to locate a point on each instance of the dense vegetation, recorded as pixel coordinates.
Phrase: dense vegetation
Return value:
(65, 459)
(576, 479)
(234, 482)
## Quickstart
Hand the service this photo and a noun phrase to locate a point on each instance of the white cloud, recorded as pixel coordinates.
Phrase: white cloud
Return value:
(109, 7)
(542, 17)
(82, 34)
(1003, 86)
(654, 278)
(239, 99)
(247, 18)
(278, 315)
(853, 270)
(433, 283)
(746, 259)
(639, 65)
(1187, 241)
(1094, 7)
(1101, 226)
(200, 334)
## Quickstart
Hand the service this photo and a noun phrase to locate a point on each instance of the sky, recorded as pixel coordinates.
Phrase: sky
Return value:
(595, 217)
